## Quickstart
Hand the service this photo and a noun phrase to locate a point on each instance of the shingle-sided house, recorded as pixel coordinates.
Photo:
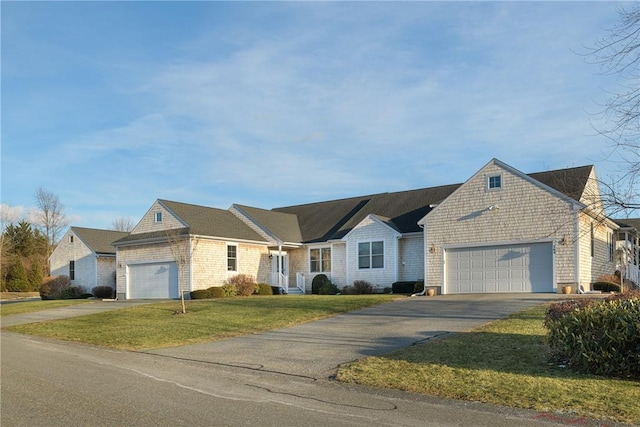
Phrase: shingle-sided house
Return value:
(505, 231)
(87, 256)
(500, 231)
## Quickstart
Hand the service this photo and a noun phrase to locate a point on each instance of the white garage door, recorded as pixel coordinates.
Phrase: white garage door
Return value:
(158, 280)
(509, 268)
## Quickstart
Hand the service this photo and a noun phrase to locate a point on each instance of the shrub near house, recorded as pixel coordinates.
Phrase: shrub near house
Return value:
(597, 337)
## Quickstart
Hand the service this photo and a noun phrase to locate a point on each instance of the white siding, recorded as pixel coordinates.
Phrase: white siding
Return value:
(84, 258)
(370, 230)
(522, 212)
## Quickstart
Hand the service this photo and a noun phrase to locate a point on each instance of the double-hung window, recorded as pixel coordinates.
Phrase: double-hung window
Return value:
(494, 182)
(371, 255)
(72, 270)
(232, 258)
(320, 260)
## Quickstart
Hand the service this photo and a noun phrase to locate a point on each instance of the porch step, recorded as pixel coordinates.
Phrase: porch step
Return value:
(295, 291)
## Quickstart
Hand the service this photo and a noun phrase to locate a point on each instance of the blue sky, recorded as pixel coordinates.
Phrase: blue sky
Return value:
(111, 105)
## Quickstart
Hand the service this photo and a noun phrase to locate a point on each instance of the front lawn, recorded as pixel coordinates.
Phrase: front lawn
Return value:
(503, 363)
(158, 325)
(24, 307)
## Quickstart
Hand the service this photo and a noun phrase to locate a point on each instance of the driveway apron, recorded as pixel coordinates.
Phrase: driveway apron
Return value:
(316, 349)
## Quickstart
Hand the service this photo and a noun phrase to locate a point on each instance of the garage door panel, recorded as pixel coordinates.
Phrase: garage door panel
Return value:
(508, 268)
(153, 281)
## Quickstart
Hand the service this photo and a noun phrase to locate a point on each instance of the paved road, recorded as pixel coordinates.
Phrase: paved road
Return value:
(268, 379)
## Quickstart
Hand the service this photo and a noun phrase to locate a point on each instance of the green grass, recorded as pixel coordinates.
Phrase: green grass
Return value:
(156, 325)
(24, 307)
(502, 363)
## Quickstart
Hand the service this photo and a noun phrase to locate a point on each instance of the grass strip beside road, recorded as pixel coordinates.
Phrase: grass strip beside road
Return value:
(157, 325)
(502, 363)
(25, 307)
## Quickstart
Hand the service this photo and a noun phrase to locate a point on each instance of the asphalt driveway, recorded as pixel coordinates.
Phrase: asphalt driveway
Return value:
(316, 349)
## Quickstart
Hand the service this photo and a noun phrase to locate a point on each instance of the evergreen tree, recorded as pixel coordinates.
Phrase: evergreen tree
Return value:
(17, 280)
(35, 276)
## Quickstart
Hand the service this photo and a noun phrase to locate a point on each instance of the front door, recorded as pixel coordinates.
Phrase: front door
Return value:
(280, 268)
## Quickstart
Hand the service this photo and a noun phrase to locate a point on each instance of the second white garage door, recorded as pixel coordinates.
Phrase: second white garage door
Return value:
(508, 268)
(157, 280)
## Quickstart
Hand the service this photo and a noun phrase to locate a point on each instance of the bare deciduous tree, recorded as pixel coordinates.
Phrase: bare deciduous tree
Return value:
(618, 54)
(49, 216)
(123, 224)
(182, 246)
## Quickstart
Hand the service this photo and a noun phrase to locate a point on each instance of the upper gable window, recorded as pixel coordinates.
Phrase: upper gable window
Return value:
(71, 238)
(494, 182)
(158, 217)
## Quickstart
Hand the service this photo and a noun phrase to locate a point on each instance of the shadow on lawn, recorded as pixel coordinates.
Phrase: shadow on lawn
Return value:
(499, 352)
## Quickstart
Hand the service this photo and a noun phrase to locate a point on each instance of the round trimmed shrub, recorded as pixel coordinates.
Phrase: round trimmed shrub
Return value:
(103, 292)
(328, 289)
(264, 289)
(201, 294)
(318, 282)
(229, 290)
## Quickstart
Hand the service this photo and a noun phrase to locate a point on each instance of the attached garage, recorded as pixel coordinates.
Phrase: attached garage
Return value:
(152, 281)
(502, 268)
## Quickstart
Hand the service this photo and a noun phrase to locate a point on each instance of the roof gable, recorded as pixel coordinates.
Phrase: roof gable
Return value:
(211, 222)
(99, 241)
(279, 225)
(197, 220)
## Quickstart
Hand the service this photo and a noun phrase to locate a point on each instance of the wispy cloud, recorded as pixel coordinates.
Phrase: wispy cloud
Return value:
(283, 103)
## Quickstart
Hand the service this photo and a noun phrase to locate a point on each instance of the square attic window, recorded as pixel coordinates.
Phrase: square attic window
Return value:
(494, 182)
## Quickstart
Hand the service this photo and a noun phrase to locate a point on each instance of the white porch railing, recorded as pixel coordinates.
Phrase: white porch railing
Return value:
(279, 279)
(300, 281)
(633, 273)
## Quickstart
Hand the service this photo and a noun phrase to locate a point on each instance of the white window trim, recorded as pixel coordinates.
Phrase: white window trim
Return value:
(157, 217)
(489, 177)
(227, 256)
(320, 259)
(371, 267)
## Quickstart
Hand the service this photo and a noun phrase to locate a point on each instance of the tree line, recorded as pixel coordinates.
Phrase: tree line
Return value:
(26, 245)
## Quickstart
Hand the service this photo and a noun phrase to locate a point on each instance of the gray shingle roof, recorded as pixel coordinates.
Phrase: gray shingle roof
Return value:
(333, 219)
(100, 241)
(283, 226)
(212, 222)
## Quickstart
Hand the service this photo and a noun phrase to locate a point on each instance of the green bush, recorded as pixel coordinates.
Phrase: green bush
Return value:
(245, 285)
(264, 289)
(403, 287)
(606, 287)
(73, 292)
(328, 289)
(201, 294)
(229, 290)
(601, 338)
(53, 287)
(219, 292)
(106, 292)
(318, 282)
(17, 279)
(276, 290)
